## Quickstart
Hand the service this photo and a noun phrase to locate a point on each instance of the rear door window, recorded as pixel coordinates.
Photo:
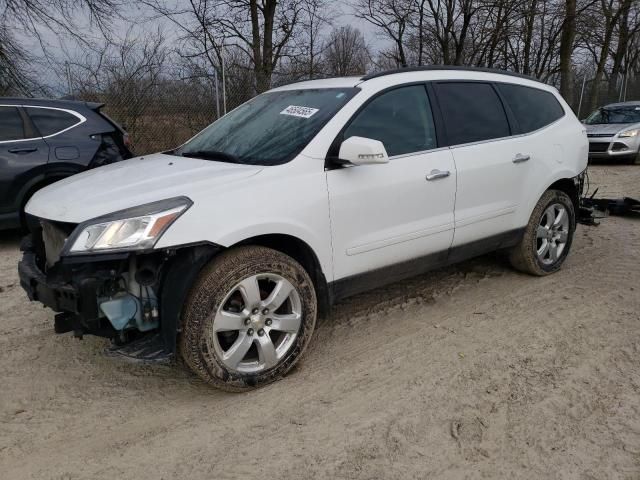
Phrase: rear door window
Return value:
(472, 112)
(401, 119)
(533, 108)
(49, 121)
(11, 126)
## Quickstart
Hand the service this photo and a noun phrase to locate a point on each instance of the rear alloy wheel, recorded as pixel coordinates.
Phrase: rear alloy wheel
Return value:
(547, 238)
(552, 234)
(249, 318)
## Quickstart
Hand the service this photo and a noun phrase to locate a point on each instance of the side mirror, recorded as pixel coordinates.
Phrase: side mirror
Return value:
(362, 151)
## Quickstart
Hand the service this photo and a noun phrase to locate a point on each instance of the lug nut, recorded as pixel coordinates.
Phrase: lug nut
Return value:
(247, 321)
(255, 311)
(265, 311)
(268, 322)
(250, 331)
(261, 332)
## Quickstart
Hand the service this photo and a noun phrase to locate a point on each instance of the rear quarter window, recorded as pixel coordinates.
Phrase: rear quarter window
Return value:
(532, 108)
(49, 121)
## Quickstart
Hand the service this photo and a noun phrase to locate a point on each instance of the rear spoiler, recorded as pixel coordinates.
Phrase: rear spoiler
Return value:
(94, 105)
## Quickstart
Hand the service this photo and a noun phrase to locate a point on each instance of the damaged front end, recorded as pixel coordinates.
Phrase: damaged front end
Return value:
(132, 297)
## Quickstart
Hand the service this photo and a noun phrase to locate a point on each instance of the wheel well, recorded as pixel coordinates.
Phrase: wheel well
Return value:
(568, 186)
(304, 255)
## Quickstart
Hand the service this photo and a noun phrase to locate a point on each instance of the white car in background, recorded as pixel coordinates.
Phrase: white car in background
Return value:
(224, 250)
(614, 132)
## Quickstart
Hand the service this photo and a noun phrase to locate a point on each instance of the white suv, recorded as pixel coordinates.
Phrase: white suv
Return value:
(226, 249)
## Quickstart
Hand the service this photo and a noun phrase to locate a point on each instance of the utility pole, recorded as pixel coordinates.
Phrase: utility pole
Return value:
(224, 81)
(584, 81)
(215, 81)
(68, 72)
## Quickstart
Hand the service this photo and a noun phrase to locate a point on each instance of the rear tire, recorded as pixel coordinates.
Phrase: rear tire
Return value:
(248, 319)
(548, 235)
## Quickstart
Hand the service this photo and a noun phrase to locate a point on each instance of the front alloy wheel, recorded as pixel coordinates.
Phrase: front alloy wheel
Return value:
(257, 323)
(248, 319)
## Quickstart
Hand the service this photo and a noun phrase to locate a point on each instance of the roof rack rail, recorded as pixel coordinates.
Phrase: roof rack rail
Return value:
(448, 67)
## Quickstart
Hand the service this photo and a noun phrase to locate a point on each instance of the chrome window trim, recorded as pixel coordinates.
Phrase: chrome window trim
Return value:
(81, 120)
(519, 135)
(421, 152)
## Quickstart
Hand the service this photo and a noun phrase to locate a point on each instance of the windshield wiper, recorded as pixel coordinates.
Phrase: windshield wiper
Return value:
(212, 155)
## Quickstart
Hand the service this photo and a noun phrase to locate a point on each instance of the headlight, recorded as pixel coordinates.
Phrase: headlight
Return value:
(137, 228)
(628, 134)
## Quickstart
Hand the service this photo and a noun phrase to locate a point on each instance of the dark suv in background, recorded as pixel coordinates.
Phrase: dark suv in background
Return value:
(43, 141)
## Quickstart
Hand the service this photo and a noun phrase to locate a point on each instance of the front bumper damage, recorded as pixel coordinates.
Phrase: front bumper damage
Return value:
(134, 299)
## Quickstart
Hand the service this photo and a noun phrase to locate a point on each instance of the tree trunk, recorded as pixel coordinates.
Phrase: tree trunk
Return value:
(621, 50)
(528, 36)
(566, 50)
(611, 20)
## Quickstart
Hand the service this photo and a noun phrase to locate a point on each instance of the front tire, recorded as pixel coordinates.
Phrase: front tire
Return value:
(548, 235)
(248, 319)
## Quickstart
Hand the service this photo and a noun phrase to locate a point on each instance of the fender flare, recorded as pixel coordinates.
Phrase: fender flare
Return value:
(178, 277)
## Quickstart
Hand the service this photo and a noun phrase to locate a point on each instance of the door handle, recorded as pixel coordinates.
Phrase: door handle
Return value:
(436, 174)
(519, 158)
(20, 151)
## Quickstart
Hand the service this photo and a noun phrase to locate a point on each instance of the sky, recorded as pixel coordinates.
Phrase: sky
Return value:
(61, 47)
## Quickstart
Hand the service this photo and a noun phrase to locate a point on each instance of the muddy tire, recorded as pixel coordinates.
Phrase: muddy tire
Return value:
(248, 319)
(548, 235)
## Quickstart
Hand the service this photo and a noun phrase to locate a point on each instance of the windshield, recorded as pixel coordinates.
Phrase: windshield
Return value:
(628, 114)
(270, 129)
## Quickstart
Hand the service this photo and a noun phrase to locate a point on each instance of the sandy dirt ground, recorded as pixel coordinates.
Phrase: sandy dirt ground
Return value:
(473, 371)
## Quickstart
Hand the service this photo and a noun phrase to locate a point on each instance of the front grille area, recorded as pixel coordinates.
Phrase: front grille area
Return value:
(599, 135)
(54, 234)
(598, 146)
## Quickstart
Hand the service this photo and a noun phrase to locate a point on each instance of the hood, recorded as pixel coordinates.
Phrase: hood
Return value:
(610, 128)
(130, 183)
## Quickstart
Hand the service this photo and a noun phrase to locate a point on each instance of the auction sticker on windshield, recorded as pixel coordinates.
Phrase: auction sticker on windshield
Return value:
(302, 112)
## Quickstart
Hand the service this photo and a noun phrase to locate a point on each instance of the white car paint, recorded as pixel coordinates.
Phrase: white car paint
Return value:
(355, 219)
(378, 213)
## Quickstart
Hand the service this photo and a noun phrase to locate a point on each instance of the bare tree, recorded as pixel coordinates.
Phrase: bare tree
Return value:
(605, 21)
(265, 30)
(347, 52)
(35, 16)
(127, 76)
(567, 40)
(392, 19)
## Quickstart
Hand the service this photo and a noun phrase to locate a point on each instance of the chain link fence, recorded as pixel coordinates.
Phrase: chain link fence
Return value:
(163, 113)
(589, 94)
